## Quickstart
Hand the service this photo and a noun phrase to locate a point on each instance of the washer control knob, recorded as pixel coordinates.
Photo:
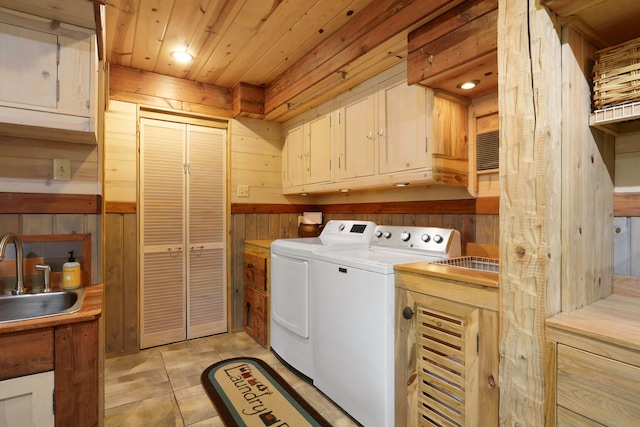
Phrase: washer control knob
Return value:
(425, 237)
(405, 235)
(438, 238)
(387, 234)
(341, 227)
(378, 234)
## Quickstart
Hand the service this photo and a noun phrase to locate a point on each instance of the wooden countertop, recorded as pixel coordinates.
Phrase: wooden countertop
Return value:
(266, 244)
(476, 277)
(91, 309)
(615, 320)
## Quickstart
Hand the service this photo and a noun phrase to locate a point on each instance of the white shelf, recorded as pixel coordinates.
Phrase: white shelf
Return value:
(617, 120)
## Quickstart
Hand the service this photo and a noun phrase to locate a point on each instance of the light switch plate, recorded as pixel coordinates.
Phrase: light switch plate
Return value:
(243, 191)
(62, 169)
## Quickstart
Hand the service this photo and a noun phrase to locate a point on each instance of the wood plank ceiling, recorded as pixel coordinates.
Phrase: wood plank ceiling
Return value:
(292, 49)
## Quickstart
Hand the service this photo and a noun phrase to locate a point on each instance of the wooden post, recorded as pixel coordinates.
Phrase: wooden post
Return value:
(529, 68)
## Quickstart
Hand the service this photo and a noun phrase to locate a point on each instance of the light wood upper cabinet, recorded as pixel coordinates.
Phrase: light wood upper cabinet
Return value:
(318, 149)
(49, 85)
(292, 156)
(402, 126)
(383, 129)
(306, 157)
(357, 135)
(384, 133)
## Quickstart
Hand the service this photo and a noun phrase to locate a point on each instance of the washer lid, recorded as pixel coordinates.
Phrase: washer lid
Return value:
(375, 260)
(335, 234)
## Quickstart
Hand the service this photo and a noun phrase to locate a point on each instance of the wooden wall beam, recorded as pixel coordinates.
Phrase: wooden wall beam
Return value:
(379, 22)
(626, 204)
(248, 101)
(120, 207)
(464, 206)
(38, 203)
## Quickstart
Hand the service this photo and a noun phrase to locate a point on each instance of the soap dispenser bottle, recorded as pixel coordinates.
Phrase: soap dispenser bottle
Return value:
(71, 273)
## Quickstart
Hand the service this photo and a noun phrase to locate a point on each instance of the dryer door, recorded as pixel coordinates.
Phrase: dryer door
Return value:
(290, 293)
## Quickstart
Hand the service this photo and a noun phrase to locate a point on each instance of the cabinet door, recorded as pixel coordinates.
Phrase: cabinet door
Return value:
(356, 136)
(29, 63)
(206, 272)
(402, 134)
(318, 150)
(27, 401)
(292, 159)
(162, 262)
(437, 362)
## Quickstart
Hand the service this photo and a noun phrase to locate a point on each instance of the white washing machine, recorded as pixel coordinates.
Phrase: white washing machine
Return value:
(353, 321)
(291, 293)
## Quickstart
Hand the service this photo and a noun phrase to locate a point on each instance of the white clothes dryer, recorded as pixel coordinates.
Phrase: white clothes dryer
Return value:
(291, 293)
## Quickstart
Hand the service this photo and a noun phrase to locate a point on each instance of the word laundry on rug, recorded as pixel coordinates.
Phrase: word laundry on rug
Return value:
(248, 392)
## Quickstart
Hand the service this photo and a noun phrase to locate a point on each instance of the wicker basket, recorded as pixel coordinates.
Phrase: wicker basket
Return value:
(616, 75)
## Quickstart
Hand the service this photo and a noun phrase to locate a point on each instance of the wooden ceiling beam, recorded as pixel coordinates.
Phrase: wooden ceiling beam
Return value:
(376, 24)
(147, 88)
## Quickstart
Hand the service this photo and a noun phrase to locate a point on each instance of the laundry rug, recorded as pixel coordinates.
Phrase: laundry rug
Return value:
(248, 392)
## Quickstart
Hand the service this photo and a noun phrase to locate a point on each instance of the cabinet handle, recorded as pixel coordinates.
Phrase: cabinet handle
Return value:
(179, 248)
(381, 132)
(370, 135)
(407, 313)
(249, 265)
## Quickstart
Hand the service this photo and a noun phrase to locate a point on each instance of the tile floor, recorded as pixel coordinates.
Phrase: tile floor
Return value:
(161, 386)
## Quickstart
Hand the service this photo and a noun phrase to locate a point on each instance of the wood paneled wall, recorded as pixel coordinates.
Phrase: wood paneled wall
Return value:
(29, 224)
(121, 284)
(26, 166)
(120, 152)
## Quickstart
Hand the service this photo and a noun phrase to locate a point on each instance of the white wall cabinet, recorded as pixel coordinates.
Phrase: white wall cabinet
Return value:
(383, 129)
(402, 126)
(378, 138)
(307, 150)
(49, 79)
(182, 232)
(27, 401)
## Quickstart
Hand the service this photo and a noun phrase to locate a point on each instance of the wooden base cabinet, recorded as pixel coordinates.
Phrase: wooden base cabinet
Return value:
(594, 364)
(446, 356)
(257, 290)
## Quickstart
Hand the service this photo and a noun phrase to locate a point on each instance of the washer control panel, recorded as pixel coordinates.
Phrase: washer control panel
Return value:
(435, 240)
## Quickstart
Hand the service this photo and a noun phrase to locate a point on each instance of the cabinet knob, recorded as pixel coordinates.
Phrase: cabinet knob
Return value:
(370, 135)
(407, 313)
(250, 265)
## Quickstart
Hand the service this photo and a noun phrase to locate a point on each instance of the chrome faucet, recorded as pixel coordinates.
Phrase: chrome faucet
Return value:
(18, 244)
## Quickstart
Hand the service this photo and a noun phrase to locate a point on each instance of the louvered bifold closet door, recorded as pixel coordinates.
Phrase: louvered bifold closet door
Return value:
(162, 261)
(206, 269)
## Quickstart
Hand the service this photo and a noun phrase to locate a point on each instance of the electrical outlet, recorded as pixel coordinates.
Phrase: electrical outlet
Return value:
(62, 169)
(243, 191)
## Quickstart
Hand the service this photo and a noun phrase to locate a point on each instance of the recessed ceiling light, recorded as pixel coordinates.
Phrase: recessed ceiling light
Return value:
(182, 56)
(344, 190)
(401, 184)
(468, 84)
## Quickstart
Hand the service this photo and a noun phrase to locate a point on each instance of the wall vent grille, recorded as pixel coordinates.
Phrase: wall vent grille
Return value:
(488, 151)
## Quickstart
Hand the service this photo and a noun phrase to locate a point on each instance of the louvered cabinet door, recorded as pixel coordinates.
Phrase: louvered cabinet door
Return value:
(206, 269)
(162, 260)
(446, 358)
